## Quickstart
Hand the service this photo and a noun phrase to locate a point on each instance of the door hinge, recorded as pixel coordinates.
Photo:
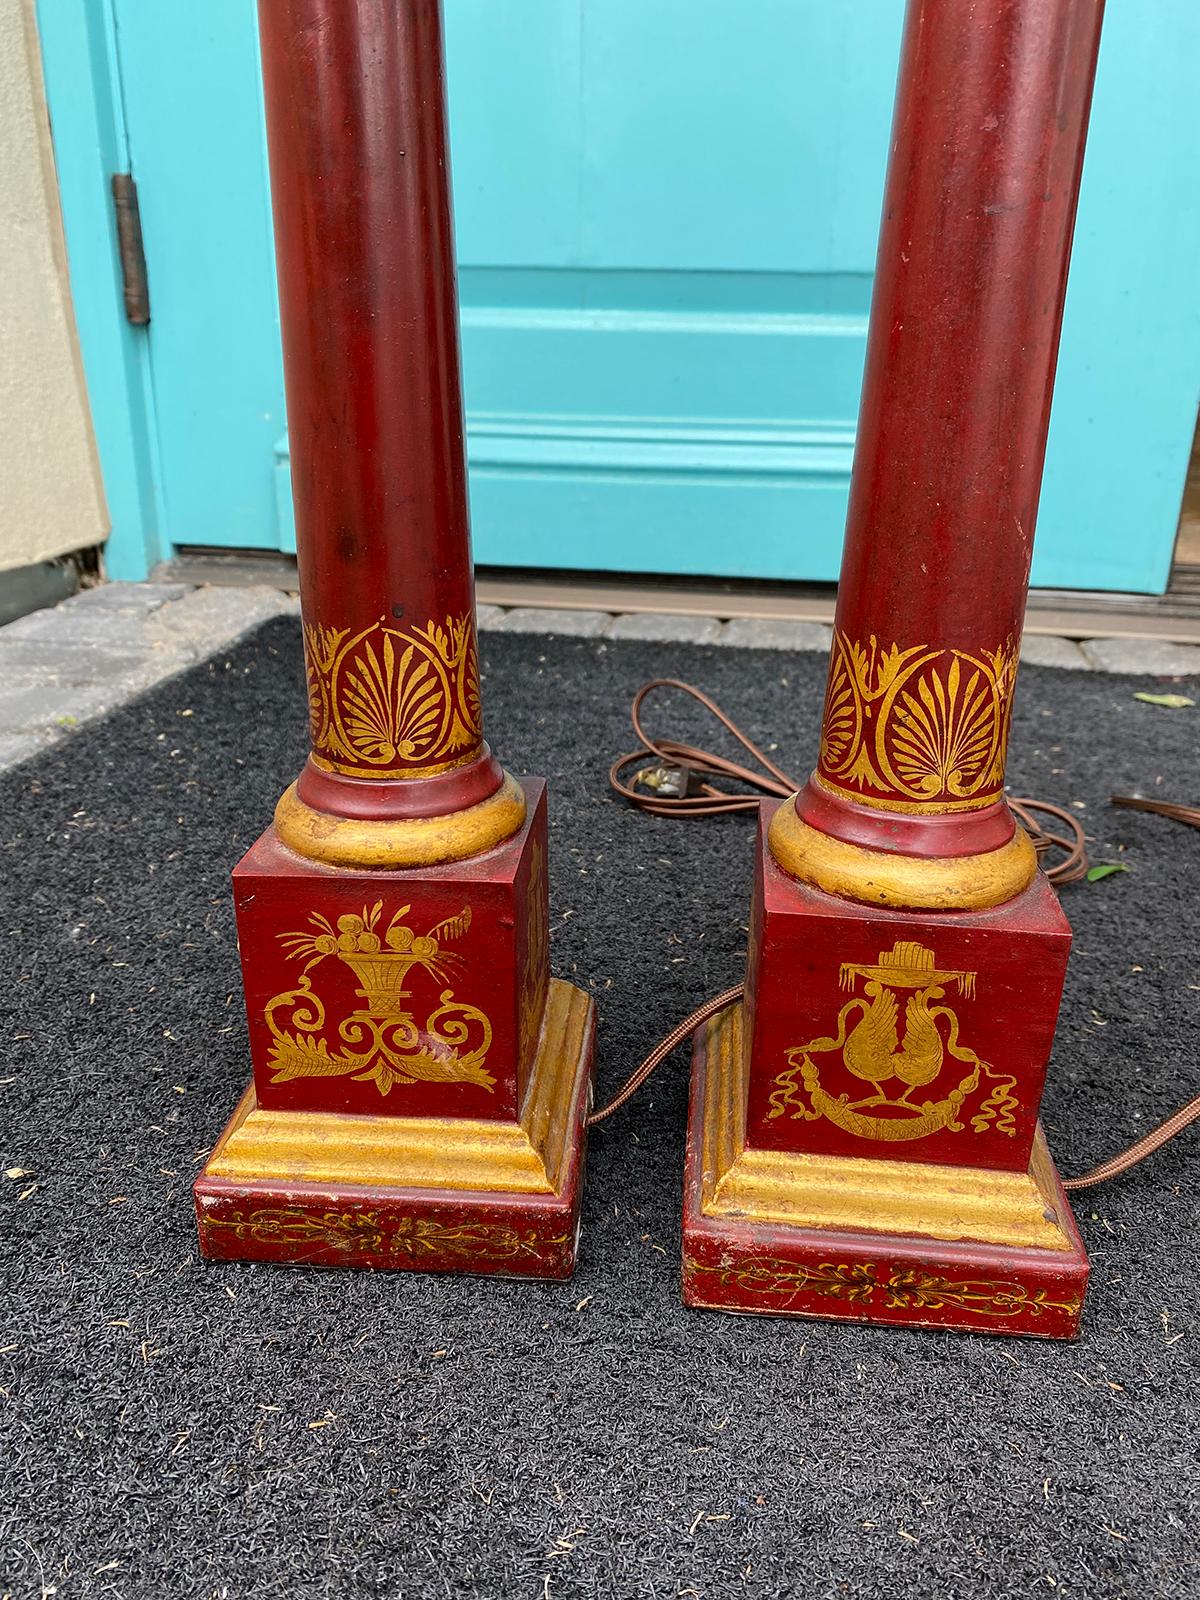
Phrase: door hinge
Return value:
(131, 249)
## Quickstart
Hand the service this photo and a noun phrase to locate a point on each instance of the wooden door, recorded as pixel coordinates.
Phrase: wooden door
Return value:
(667, 213)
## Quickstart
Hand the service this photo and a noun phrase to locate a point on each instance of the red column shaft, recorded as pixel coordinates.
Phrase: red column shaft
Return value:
(988, 140)
(356, 123)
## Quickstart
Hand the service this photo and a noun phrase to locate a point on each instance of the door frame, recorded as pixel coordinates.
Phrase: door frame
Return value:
(87, 124)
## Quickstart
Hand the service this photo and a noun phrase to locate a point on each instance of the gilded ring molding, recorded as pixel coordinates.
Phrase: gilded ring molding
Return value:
(400, 842)
(884, 878)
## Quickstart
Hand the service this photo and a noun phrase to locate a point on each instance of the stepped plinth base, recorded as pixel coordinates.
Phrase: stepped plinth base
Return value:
(430, 1194)
(779, 1233)
(420, 1082)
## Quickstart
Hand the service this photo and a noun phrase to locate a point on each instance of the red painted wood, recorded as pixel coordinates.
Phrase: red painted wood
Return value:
(979, 209)
(763, 1268)
(1004, 1012)
(403, 1229)
(906, 1036)
(488, 916)
(422, 992)
(356, 123)
(419, 797)
(949, 833)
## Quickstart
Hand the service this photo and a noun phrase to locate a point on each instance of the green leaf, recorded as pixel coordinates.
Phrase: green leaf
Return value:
(1105, 870)
(1173, 702)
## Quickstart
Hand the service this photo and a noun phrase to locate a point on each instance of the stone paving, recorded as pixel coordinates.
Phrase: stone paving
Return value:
(69, 663)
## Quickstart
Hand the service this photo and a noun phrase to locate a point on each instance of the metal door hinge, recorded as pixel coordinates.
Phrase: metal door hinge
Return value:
(131, 249)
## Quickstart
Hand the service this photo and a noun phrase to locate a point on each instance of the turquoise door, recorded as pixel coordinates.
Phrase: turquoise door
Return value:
(666, 213)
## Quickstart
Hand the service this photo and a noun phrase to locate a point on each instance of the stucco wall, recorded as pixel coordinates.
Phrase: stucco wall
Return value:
(51, 498)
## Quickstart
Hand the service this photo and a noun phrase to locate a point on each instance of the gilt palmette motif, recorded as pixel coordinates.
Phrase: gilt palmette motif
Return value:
(387, 701)
(924, 727)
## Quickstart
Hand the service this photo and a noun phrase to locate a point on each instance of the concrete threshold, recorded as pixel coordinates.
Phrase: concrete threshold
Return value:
(1069, 614)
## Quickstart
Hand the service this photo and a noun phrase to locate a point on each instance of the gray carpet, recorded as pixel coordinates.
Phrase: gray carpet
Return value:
(176, 1428)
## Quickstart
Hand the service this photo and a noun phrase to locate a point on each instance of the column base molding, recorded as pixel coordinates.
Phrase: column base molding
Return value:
(399, 842)
(889, 878)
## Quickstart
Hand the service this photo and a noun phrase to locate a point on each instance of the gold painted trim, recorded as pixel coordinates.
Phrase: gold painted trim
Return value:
(387, 700)
(409, 1240)
(856, 1283)
(458, 1153)
(882, 878)
(908, 808)
(860, 1194)
(929, 722)
(394, 774)
(407, 842)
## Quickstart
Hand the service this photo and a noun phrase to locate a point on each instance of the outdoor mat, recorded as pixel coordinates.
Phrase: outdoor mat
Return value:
(175, 1427)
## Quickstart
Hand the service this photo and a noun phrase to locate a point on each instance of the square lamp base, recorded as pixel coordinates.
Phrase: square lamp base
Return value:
(429, 1194)
(775, 1232)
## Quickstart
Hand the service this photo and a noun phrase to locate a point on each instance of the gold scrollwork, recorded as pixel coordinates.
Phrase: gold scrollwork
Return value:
(873, 1052)
(925, 728)
(382, 1041)
(387, 701)
(414, 1237)
(902, 1288)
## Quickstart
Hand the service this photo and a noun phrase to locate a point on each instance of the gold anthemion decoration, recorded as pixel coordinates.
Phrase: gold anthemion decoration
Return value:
(414, 1237)
(387, 701)
(902, 1288)
(895, 1068)
(536, 978)
(381, 1040)
(921, 729)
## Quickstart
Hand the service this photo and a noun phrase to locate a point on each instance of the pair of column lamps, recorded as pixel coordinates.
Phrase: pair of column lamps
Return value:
(863, 1137)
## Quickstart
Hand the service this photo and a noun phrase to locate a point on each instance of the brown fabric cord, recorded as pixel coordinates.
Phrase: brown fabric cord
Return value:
(672, 780)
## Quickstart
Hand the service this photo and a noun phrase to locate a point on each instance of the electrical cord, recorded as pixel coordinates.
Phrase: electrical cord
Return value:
(673, 781)
(677, 786)
(663, 1048)
(1160, 808)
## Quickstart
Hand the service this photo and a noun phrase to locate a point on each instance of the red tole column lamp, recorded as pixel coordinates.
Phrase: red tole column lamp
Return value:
(420, 1082)
(864, 1139)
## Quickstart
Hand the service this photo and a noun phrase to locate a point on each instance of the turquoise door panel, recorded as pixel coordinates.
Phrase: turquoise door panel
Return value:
(193, 106)
(1128, 380)
(667, 213)
(663, 375)
(78, 62)
(743, 138)
(514, 122)
(701, 440)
